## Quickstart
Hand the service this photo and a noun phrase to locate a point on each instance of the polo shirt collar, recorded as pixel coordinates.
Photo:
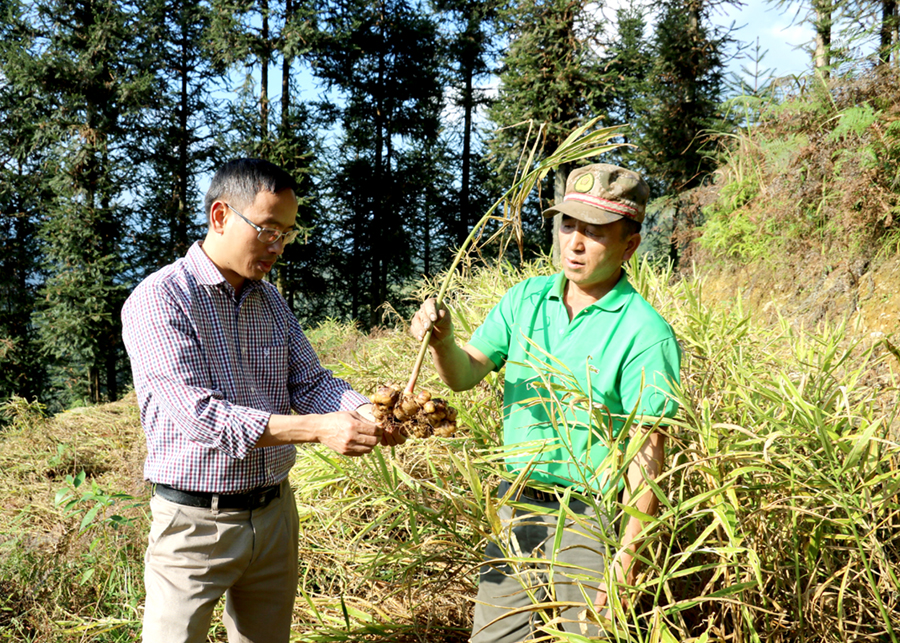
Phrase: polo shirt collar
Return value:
(616, 298)
(612, 301)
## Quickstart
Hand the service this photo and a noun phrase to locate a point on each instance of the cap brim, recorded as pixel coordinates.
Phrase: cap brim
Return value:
(583, 212)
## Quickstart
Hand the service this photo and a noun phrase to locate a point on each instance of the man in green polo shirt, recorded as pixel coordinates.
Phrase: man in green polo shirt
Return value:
(585, 329)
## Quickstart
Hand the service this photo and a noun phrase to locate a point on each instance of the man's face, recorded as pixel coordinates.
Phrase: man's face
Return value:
(243, 255)
(592, 255)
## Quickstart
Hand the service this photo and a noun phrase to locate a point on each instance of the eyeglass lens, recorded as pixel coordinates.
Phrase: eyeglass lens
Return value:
(271, 236)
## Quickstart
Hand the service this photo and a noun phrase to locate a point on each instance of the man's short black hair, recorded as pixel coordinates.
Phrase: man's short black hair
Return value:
(630, 227)
(241, 180)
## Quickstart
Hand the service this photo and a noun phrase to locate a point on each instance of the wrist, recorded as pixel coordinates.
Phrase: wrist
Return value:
(440, 343)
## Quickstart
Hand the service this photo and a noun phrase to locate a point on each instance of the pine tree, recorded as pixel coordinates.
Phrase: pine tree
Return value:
(821, 16)
(22, 195)
(381, 57)
(628, 62)
(683, 98)
(257, 36)
(253, 35)
(178, 146)
(472, 30)
(94, 84)
(551, 77)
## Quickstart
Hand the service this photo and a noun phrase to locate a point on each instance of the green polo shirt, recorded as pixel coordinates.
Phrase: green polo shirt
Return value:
(619, 350)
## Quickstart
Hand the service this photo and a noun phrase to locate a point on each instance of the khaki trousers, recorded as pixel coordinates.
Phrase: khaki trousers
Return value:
(196, 555)
(502, 605)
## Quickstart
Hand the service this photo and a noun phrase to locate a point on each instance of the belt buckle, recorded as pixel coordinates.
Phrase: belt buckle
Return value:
(537, 494)
(543, 496)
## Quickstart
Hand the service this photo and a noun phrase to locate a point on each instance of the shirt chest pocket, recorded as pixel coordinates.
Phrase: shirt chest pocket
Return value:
(267, 376)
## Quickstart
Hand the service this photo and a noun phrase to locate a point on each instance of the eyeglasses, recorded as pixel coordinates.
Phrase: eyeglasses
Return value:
(268, 235)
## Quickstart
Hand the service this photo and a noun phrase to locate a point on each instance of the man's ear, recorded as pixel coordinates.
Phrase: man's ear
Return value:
(631, 245)
(217, 217)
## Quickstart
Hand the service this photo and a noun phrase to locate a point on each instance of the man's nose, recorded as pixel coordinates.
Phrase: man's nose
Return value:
(576, 238)
(277, 246)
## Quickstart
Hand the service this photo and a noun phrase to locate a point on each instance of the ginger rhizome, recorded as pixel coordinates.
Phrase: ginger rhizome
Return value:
(419, 415)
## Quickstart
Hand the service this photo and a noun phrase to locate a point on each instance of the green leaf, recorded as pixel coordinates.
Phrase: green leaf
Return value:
(89, 517)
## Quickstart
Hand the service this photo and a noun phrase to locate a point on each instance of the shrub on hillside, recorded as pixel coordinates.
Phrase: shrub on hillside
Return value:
(819, 172)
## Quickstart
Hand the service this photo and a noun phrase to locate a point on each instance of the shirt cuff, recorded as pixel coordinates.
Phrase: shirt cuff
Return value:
(351, 400)
(254, 423)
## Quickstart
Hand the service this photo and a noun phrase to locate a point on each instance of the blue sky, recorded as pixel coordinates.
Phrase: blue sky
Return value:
(780, 36)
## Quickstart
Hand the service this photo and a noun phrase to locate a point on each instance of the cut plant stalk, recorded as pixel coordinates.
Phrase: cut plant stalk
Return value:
(576, 147)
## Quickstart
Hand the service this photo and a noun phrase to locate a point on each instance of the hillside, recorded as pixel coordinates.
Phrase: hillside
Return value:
(779, 519)
(802, 216)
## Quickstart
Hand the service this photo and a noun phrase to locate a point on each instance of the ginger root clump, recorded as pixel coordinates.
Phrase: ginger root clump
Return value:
(418, 415)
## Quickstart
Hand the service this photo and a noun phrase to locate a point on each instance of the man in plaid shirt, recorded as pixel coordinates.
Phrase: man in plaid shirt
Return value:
(219, 363)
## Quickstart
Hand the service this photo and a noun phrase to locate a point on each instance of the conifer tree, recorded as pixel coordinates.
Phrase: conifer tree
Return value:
(472, 31)
(258, 36)
(627, 60)
(683, 99)
(22, 195)
(255, 35)
(94, 84)
(380, 56)
(178, 145)
(551, 76)
(820, 15)
(683, 96)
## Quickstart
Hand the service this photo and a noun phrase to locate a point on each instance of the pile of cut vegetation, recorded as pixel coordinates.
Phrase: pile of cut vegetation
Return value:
(779, 519)
(805, 209)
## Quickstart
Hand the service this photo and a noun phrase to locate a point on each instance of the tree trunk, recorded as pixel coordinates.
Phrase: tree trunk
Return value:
(823, 21)
(382, 171)
(286, 62)
(888, 30)
(264, 72)
(94, 384)
(560, 176)
(178, 232)
(469, 108)
(282, 275)
(112, 371)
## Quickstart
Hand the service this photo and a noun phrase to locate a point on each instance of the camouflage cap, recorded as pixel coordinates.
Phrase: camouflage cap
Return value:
(603, 193)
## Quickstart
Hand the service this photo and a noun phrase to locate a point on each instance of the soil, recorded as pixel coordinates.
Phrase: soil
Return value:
(812, 289)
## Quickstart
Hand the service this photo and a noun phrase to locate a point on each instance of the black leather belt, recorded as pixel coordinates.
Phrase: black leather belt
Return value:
(530, 492)
(546, 496)
(255, 499)
(537, 494)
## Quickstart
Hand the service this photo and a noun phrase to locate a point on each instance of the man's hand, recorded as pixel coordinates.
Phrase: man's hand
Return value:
(348, 433)
(460, 368)
(435, 318)
(601, 601)
(391, 435)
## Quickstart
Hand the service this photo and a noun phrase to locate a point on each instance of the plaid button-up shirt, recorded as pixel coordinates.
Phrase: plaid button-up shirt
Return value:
(210, 369)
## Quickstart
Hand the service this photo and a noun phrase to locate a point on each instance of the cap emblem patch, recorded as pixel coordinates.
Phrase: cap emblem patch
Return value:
(584, 183)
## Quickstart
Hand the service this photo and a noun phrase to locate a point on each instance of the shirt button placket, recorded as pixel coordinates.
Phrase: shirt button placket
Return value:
(245, 364)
